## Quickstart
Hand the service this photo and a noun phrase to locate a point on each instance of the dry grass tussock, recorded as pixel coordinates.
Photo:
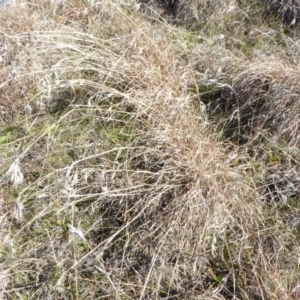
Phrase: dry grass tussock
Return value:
(115, 183)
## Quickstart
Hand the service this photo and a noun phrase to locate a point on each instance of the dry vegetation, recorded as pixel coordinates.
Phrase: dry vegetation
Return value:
(149, 150)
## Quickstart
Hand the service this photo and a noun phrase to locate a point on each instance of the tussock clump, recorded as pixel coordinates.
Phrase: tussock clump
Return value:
(152, 186)
(260, 107)
(258, 101)
(152, 205)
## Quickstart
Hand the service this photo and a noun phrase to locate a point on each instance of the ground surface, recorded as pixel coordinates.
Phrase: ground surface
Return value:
(149, 150)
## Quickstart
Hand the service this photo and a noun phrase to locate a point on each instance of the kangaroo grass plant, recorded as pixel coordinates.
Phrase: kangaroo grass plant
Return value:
(148, 150)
